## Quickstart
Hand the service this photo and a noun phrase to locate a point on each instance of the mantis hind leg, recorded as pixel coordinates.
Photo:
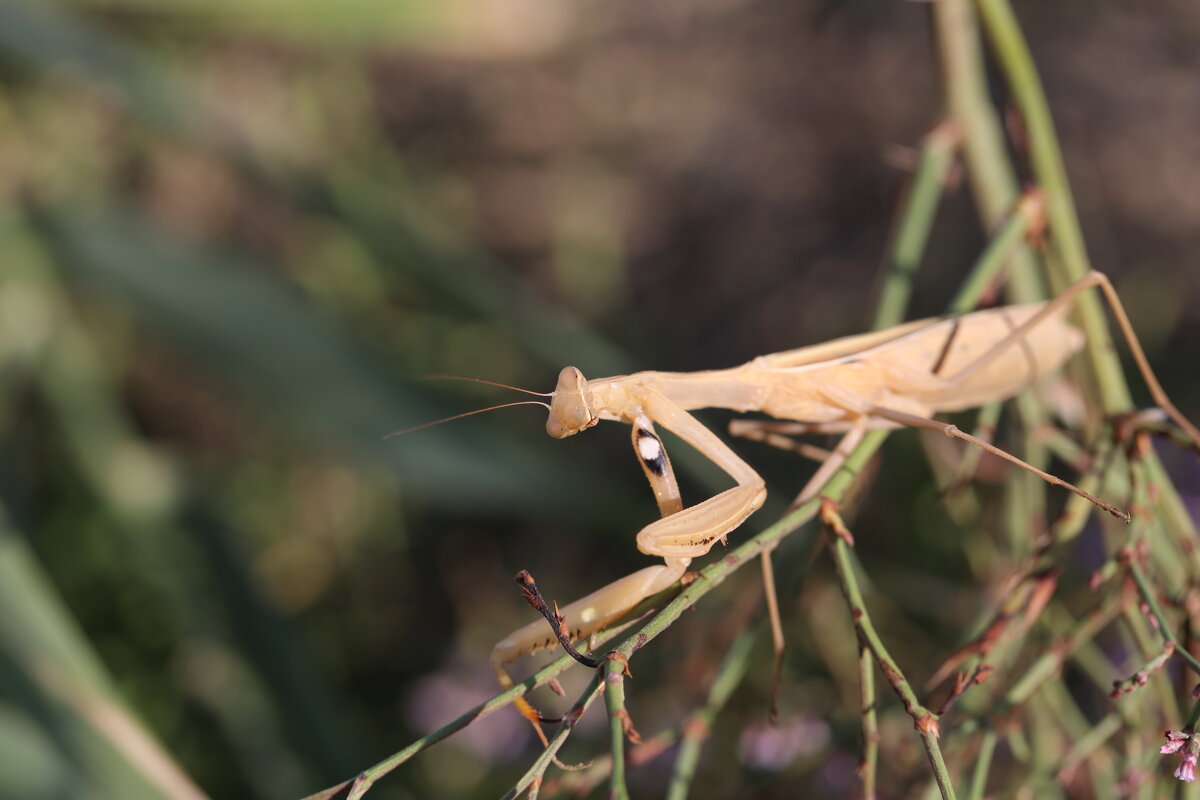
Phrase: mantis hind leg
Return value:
(915, 421)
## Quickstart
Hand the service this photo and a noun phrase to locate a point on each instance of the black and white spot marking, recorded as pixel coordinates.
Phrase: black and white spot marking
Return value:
(651, 451)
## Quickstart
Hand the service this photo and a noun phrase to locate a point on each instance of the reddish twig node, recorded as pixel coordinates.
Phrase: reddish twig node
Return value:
(558, 623)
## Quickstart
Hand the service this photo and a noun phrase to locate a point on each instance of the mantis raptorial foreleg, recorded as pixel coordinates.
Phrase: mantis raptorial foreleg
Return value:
(603, 607)
(679, 536)
(691, 532)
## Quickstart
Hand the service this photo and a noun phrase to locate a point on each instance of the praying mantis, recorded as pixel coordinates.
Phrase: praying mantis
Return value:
(899, 377)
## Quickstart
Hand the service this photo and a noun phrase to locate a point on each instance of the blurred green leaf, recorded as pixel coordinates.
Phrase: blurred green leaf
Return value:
(264, 337)
(388, 219)
(31, 766)
(49, 669)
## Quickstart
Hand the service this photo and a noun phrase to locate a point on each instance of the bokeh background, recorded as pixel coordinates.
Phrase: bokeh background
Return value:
(233, 231)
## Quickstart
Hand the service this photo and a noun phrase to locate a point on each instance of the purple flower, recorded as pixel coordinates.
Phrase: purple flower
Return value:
(1186, 771)
(1175, 742)
(1179, 740)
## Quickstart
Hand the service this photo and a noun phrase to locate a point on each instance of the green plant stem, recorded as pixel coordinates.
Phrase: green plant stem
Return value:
(869, 770)
(618, 720)
(696, 728)
(983, 764)
(1156, 642)
(1178, 522)
(1076, 729)
(367, 778)
(578, 783)
(992, 179)
(1089, 744)
(915, 221)
(1007, 239)
(691, 732)
(533, 776)
(1050, 662)
(1066, 237)
(1148, 595)
(924, 720)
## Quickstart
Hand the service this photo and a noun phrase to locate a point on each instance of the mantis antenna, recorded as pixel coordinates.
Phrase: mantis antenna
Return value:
(440, 376)
(443, 377)
(414, 428)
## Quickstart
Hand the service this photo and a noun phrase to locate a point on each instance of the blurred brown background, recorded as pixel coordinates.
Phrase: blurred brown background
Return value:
(233, 232)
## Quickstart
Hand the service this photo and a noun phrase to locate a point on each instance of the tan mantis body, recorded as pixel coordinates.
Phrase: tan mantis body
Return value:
(891, 378)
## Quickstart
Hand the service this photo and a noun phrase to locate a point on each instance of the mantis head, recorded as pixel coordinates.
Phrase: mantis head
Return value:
(571, 405)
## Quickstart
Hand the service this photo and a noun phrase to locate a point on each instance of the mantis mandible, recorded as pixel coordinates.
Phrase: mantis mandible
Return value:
(897, 377)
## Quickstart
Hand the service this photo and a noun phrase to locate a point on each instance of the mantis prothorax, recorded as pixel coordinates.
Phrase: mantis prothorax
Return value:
(893, 378)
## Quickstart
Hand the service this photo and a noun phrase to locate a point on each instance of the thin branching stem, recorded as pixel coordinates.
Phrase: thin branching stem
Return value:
(367, 778)
(698, 725)
(619, 723)
(1066, 236)
(968, 102)
(983, 764)
(1050, 663)
(924, 720)
(869, 768)
(1149, 597)
(1026, 218)
(532, 778)
(915, 221)
(691, 732)
(1088, 744)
